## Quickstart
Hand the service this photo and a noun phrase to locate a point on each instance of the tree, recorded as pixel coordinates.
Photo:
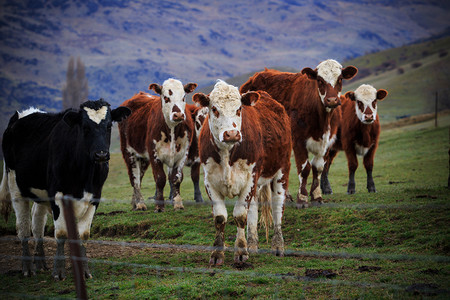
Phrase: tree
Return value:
(75, 91)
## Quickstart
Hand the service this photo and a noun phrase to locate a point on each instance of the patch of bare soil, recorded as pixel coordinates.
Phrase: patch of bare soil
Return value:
(11, 251)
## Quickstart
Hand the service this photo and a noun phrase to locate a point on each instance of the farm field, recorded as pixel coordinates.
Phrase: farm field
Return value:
(391, 244)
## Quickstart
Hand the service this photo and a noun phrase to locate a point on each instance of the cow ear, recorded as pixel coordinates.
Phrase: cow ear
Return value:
(381, 94)
(350, 95)
(72, 117)
(250, 98)
(349, 72)
(121, 113)
(201, 99)
(312, 74)
(189, 87)
(156, 87)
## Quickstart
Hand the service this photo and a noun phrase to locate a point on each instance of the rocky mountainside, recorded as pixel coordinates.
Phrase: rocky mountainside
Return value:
(126, 45)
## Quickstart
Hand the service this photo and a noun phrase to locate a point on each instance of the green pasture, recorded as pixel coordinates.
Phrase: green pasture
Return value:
(391, 244)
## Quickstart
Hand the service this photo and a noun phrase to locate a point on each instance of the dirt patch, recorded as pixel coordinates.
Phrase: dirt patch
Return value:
(316, 273)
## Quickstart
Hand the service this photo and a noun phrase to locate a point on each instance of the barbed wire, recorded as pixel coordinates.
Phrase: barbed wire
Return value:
(287, 252)
(231, 203)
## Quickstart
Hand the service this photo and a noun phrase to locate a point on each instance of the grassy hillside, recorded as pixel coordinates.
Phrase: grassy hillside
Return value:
(391, 244)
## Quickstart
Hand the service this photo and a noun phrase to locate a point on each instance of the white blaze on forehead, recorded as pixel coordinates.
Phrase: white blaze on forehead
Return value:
(227, 100)
(329, 70)
(366, 94)
(96, 115)
(29, 111)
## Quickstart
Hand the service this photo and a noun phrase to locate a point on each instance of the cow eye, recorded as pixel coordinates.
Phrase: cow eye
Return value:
(360, 105)
(166, 99)
(374, 104)
(215, 112)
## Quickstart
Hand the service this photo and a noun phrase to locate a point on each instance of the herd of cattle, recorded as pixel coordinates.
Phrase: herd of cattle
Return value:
(243, 138)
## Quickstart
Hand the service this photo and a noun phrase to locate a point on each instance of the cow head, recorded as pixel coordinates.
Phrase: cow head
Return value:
(199, 116)
(94, 120)
(173, 99)
(366, 97)
(224, 116)
(329, 75)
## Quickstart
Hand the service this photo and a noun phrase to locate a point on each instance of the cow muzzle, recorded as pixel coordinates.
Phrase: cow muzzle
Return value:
(231, 136)
(177, 117)
(101, 156)
(368, 119)
(332, 102)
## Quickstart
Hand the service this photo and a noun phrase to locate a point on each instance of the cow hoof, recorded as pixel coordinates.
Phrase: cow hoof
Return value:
(252, 247)
(140, 206)
(302, 204)
(217, 258)
(198, 199)
(240, 258)
(40, 264)
(278, 251)
(88, 275)
(159, 209)
(317, 202)
(351, 192)
(178, 207)
(372, 190)
(59, 277)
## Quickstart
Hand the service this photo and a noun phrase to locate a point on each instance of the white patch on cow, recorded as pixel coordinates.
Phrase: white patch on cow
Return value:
(167, 152)
(41, 194)
(366, 94)
(320, 147)
(361, 150)
(227, 100)
(202, 112)
(132, 151)
(174, 90)
(85, 216)
(329, 70)
(96, 115)
(29, 111)
(229, 181)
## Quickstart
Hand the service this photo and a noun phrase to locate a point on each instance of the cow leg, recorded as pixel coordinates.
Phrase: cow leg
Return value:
(302, 196)
(195, 176)
(84, 229)
(352, 162)
(220, 219)
(160, 180)
(175, 178)
(39, 219)
(21, 208)
(135, 173)
(240, 217)
(317, 168)
(279, 187)
(368, 165)
(252, 226)
(59, 264)
(324, 183)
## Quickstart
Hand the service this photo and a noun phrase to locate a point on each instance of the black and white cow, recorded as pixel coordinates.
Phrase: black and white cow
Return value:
(50, 156)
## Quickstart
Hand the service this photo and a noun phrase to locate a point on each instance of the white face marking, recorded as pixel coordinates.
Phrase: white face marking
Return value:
(96, 115)
(226, 100)
(366, 94)
(329, 70)
(29, 111)
(172, 95)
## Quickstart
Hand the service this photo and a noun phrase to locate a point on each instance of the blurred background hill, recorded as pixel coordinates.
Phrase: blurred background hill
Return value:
(125, 45)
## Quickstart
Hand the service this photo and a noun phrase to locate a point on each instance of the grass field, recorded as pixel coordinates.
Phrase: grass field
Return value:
(391, 244)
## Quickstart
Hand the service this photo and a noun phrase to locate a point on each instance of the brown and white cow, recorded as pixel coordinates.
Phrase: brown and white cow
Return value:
(158, 132)
(245, 147)
(310, 98)
(359, 132)
(198, 115)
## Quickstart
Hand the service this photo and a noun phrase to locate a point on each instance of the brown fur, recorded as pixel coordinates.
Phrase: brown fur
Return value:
(144, 125)
(298, 93)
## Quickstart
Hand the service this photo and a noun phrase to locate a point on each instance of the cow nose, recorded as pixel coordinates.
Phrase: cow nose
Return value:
(101, 156)
(231, 136)
(178, 116)
(368, 118)
(333, 101)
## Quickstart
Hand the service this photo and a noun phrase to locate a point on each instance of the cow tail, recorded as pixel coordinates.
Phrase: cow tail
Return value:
(265, 202)
(5, 196)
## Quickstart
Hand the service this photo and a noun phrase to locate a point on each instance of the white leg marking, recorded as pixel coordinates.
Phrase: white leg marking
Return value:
(21, 207)
(39, 213)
